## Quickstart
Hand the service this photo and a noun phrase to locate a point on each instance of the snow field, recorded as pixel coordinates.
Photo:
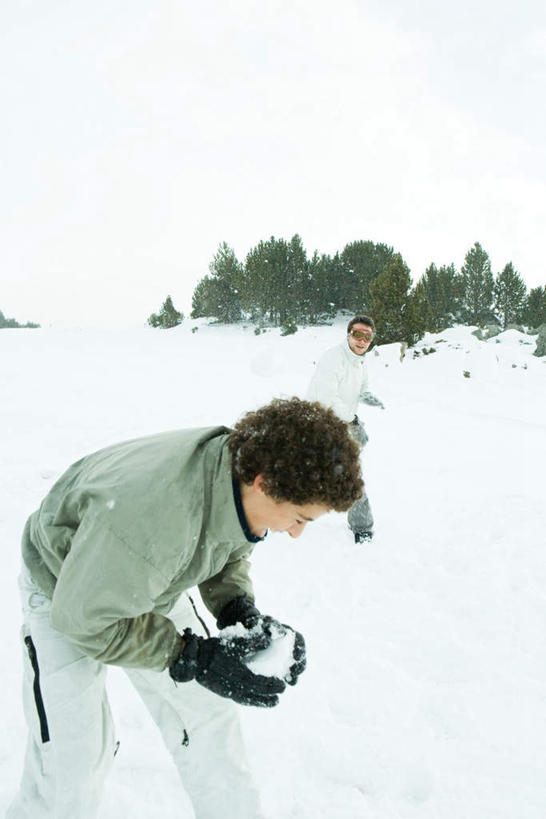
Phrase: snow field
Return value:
(424, 694)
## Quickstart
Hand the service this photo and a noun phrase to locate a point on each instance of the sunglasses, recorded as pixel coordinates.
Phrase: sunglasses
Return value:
(359, 334)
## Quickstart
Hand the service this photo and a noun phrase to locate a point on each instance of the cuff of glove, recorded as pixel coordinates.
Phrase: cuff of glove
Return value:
(184, 668)
(238, 610)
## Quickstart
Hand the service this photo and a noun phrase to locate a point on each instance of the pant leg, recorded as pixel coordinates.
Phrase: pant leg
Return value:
(357, 430)
(203, 733)
(360, 517)
(70, 743)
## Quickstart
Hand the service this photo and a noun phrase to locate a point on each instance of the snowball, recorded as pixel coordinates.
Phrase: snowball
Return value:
(274, 661)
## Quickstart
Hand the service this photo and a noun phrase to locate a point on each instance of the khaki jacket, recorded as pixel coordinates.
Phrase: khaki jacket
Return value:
(126, 530)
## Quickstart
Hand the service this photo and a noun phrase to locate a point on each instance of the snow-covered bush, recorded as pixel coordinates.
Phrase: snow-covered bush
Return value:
(289, 328)
(541, 341)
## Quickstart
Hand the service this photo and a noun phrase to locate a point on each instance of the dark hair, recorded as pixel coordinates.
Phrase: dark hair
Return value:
(303, 451)
(360, 320)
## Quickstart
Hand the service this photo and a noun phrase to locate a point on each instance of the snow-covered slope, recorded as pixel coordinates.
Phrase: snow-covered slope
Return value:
(425, 689)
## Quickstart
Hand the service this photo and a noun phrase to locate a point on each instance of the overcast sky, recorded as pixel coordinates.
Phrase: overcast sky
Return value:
(136, 136)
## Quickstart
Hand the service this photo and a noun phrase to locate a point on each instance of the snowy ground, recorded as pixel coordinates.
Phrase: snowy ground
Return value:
(425, 694)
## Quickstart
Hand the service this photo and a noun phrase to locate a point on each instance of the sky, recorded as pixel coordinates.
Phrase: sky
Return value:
(138, 136)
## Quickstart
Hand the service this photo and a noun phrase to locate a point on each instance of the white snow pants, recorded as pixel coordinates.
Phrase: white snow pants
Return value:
(71, 743)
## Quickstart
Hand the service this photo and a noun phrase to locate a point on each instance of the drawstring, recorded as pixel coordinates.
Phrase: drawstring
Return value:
(199, 617)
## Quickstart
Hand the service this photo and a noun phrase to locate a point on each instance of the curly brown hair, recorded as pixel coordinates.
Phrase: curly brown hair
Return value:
(302, 450)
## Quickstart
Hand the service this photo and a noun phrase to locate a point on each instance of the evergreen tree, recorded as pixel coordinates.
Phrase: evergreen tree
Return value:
(202, 299)
(252, 288)
(478, 286)
(167, 317)
(298, 282)
(217, 295)
(10, 323)
(274, 281)
(265, 281)
(335, 282)
(362, 262)
(510, 295)
(534, 313)
(321, 302)
(416, 315)
(443, 290)
(389, 297)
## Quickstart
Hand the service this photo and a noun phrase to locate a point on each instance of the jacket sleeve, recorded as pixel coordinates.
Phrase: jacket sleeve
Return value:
(233, 581)
(325, 386)
(365, 383)
(103, 603)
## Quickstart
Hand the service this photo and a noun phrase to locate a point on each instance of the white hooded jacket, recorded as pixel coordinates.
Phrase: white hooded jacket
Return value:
(339, 381)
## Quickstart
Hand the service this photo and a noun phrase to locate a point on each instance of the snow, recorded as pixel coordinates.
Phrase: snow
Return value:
(425, 689)
(276, 660)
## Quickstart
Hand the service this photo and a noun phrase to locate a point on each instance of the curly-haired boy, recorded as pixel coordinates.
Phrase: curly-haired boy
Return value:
(107, 562)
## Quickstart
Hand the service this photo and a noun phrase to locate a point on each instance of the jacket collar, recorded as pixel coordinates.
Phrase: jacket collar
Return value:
(224, 523)
(353, 359)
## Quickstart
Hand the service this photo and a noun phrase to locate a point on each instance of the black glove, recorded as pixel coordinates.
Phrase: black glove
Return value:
(239, 610)
(218, 664)
(242, 610)
(299, 657)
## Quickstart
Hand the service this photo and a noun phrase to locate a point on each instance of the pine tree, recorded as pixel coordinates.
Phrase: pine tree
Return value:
(11, 323)
(362, 262)
(478, 286)
(416, 315)
(217, 295)
(389, 297)
(7, 323)
(510, 296)
(266, 291)
(226, 270)
(274, 282)
(443, 290)
(167, 317)
(534, 313)
(202, 299)
(321, 298)
(298, 279)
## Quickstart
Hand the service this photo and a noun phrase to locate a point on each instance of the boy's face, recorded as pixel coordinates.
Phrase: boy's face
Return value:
(264, 512)
(284, 516)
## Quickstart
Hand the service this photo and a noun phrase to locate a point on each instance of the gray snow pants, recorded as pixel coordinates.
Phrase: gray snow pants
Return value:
(71, 743)
(360, 517)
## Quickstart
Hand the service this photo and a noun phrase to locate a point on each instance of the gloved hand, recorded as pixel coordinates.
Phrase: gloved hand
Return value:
(372, 400)
(218, 664)
(239, 610)
(242, 610)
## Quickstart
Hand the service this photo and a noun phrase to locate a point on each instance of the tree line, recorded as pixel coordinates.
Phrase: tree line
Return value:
(279, 285)
(6, 323)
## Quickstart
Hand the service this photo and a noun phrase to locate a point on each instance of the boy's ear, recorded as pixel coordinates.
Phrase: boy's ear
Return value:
(257, 483)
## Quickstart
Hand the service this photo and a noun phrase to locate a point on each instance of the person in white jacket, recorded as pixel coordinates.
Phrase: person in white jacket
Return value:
(340, 381)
